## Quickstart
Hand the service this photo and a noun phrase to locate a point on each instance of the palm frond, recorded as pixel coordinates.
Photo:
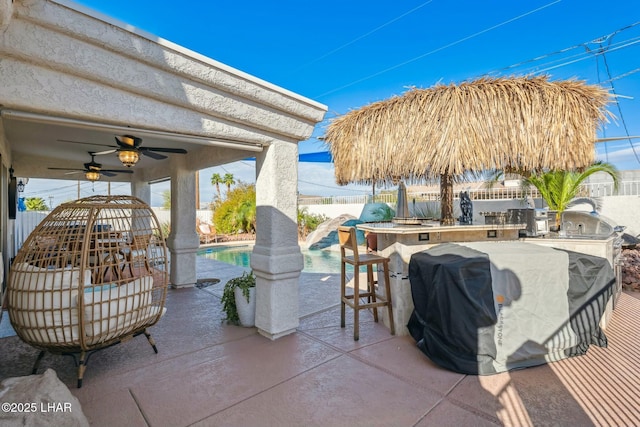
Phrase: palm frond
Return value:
(559, 187)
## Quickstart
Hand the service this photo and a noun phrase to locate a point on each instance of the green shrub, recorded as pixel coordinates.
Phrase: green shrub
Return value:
(308, 222)
(237, 213)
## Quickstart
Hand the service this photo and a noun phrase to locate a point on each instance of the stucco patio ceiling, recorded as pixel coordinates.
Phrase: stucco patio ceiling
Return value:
(44, 141)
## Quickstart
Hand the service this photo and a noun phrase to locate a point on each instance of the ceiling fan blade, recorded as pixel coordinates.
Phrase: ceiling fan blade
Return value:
(100, 153)
(165, 150)
(152, 154)
(107, 173)
(114, 171)
(67, 169)
(83, 142)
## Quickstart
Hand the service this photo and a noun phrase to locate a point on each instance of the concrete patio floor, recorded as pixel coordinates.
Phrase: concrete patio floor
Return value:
(208, 373)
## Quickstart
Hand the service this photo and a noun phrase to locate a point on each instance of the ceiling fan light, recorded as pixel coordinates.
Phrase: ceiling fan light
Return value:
(92, 175)
(128, 158)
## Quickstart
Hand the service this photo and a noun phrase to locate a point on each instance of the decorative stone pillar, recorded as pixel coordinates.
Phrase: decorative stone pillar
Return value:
(183, 241)
(276, 259)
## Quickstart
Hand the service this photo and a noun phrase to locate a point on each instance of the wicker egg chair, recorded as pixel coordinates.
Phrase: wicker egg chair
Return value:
(92, 274)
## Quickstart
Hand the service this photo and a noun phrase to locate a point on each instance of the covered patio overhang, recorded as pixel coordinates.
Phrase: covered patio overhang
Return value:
(73, 80)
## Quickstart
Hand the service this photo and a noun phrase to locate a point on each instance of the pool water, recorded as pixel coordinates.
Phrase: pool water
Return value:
(317, 261)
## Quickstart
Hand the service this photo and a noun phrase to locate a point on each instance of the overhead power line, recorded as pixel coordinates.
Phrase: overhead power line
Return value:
(339, 48)
(581, 56)
(621, 76)
(401, 64)
(620, 115)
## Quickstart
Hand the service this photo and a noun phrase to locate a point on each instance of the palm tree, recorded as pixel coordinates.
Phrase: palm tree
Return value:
(216, 180)
(228, 181)
(559, 187)
(246, 216)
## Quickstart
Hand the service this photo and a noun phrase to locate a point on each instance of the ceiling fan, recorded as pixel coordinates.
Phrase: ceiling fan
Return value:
(92, 170)
(129, 149)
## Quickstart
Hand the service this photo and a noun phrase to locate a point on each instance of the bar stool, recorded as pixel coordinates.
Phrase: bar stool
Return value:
(349, 243)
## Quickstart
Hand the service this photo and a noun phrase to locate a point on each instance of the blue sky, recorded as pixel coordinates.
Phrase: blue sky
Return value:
(349, 53)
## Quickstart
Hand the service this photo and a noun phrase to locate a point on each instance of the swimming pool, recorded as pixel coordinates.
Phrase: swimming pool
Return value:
(318, 261)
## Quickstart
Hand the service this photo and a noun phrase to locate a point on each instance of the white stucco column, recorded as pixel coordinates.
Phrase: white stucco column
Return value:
(276, 259)
(141, 190)
(183, 241)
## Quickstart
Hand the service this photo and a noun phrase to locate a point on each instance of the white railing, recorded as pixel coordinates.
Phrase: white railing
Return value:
(346, 200)
(507, 193)
(25, 223)
(601, 189)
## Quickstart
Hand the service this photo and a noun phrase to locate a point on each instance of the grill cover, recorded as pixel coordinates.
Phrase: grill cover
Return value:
(489, 307)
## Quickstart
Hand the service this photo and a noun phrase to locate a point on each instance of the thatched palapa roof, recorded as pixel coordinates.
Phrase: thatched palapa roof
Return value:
(523, 123)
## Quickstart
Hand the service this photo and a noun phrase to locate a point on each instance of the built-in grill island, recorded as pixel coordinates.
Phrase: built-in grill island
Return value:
(580, 232)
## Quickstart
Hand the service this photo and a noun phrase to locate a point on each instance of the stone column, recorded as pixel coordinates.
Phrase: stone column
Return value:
(183, 241)
(276, 259)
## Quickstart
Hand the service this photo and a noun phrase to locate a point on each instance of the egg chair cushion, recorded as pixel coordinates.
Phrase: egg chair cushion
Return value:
(111, 311)
(46, 302)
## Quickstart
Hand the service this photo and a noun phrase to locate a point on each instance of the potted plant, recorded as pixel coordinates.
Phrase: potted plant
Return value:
(239, 301)
(559, 188)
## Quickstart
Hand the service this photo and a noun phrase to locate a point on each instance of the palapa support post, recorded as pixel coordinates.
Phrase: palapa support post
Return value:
(446, 199)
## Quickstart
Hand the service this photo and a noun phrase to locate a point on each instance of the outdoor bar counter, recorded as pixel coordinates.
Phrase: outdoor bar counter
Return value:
(399, 242)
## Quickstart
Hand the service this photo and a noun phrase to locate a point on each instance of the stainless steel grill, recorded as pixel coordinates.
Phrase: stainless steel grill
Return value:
(536, 221)
(494, 218)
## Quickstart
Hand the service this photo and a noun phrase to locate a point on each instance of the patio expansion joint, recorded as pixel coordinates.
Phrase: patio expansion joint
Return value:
(192, 355)
(463, 405)
(142, 414)
(271, 387)
(445, 396)
(336, 305)
(338, 349)
(350, 353)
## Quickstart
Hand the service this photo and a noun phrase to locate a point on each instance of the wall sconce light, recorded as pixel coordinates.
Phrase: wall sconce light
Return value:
(22, 182)
(92, 175)
(128, 157)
